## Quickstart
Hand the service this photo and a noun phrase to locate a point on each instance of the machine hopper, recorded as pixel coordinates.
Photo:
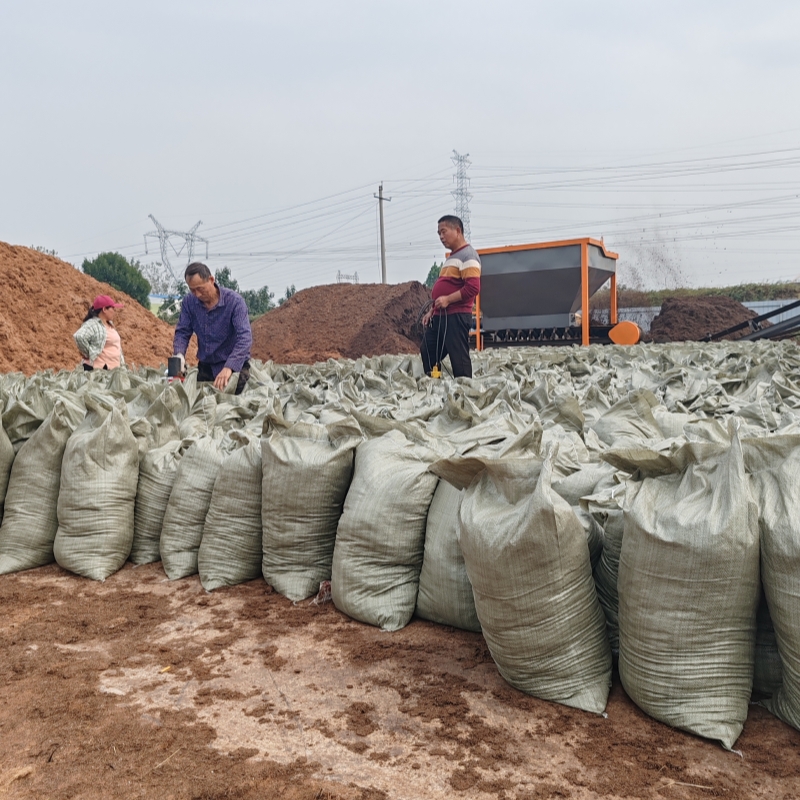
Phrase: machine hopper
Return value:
(539, 294)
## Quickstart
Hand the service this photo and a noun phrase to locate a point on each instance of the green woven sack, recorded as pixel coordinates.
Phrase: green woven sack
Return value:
(31, 519)
(606, 508)
(230, 550)
(381, 535)
(768, 671)
(688, 593)
(185, 515)
(445, 593)
(21, 419)
(158, 469)
(776, 487)
(306, 472)
(99, 474)
(629, 420)
(527, 558)
(6, 459)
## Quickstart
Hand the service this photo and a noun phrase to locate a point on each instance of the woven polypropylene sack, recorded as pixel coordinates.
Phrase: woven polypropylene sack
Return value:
(23, 416)
(768, 671)
(185, 516)
(202, 419)
(528, 562)
(688, 593)
(230, 550)
(593, 531)
(381, 535)
(31, 519)
(629, 420)
(606, 509)
(99, 474)
(583, 482)
(157, 472)
(6, 459)
(445, 593)
(778, 492)
(306, 472)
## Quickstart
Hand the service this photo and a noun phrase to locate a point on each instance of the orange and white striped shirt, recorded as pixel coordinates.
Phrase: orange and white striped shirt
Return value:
(461, 272)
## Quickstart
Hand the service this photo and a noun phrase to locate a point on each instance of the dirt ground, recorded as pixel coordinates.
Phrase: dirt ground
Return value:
(687, 319)
(341, 320)
(144, 688)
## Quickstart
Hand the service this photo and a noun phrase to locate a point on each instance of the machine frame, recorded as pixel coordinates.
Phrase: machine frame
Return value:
(587, 332)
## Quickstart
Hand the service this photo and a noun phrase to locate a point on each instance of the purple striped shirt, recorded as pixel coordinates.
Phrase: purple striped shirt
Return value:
(223, 333)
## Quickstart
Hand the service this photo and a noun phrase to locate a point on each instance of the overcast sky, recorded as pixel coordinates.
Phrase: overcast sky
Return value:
(671, 129)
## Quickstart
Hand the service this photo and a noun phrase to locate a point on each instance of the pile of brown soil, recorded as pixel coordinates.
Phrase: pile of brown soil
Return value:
(689, 319)
(138, 687)
(45, 301)
(341, 320)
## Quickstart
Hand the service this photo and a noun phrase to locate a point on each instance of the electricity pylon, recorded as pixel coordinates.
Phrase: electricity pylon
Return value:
(163, 235)
(461, 192)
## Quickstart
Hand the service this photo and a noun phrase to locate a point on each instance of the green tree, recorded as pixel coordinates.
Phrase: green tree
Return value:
(160, 278)
(259, 301)
(115, 269)
(433, 274)
(224, 278)
(290, 291)
(170, 309)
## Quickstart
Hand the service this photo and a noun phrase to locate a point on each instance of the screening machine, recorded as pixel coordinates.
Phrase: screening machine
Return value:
(538, 294)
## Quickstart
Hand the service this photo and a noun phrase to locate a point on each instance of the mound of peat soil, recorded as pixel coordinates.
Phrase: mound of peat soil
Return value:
(689, 319)
(45, 302)
(341, 320)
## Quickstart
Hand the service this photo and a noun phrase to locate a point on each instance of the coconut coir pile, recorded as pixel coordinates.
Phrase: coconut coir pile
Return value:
(45, 301)
(341, 320)
(689, 319)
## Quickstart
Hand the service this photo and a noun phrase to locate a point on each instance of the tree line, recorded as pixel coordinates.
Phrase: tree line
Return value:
(139, 281)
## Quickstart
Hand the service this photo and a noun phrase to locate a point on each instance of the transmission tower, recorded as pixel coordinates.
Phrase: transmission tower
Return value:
(461, 192)
(163, 235)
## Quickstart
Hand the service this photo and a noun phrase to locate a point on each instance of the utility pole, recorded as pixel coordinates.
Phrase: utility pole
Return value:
(461, 192)
(163, 235)
(380, 198)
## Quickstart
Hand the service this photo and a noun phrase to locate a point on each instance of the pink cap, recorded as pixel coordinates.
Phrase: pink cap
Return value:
(104, 301)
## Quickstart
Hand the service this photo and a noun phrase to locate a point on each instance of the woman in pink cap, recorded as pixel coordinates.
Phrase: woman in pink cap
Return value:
(97, 339)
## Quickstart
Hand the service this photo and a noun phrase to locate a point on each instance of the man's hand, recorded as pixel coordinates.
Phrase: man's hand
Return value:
(183, 362)
(426, 320)
(221, 381)
(442, 302)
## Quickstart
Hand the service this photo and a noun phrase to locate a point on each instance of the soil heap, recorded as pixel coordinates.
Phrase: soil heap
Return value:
(341, 320)
(45, 302)
(689, 319)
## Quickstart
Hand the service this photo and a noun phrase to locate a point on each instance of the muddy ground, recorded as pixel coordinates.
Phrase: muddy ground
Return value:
(143, 688)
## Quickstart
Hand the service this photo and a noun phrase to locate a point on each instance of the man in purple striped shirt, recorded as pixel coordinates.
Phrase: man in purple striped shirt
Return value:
(219, 318)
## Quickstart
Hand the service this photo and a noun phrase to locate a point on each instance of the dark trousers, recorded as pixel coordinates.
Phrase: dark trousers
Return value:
(90, 368)
(448, 335)
(206, 373)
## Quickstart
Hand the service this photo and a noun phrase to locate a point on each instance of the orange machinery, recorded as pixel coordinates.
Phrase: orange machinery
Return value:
(538, 294)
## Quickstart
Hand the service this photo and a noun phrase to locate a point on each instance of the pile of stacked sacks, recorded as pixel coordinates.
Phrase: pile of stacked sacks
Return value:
(573, 505)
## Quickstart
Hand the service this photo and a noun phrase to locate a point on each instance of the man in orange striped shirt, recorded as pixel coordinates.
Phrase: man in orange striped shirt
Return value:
(449, 319)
